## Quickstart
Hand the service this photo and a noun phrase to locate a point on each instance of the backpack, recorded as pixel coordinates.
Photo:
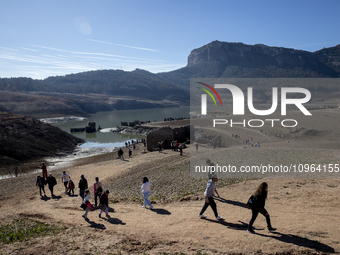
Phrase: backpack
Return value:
(251, 201)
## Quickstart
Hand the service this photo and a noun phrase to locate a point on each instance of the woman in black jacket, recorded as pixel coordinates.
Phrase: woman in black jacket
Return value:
(257, 207)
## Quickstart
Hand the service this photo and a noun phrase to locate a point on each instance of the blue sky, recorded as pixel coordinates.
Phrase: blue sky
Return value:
(42, 38)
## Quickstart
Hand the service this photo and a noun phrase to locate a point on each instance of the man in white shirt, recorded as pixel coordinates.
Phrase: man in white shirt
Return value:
(65, 179)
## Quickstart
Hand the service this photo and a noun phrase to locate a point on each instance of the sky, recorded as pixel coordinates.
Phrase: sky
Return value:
(40, 38)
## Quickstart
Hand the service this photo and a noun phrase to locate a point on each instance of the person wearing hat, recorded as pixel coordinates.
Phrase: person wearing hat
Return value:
(82, 186)
(209, 199)
(51, 181)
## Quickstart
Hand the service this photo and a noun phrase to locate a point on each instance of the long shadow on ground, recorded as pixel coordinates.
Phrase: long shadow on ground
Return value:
(161, 211)
(236, 203)
(300, 241)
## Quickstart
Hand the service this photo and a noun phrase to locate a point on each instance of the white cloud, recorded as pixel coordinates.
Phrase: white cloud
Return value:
(122, 45)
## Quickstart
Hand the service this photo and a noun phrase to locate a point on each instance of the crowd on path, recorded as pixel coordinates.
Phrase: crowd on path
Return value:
(101, 199)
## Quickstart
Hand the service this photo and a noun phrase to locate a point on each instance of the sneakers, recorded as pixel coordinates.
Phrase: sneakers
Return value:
(202, 216)
(151, 207)
(219, 218)
(143, 206)
(250, 231)
(99, 215)
(270, 229)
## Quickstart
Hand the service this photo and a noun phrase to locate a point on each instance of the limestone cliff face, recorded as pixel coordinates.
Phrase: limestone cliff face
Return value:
(239, 54)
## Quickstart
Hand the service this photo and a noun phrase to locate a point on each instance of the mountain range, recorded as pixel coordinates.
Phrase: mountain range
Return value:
(88, 92)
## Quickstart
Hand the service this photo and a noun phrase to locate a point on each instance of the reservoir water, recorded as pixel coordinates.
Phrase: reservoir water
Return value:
(112, 119)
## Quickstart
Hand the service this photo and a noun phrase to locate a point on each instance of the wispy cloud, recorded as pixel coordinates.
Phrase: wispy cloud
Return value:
(27, 49)
(5, 48)
(122, 45)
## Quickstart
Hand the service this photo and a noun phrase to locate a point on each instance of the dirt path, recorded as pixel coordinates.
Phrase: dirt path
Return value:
(305, 213)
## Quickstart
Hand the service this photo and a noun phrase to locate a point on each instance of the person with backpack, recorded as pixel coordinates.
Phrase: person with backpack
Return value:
(257, 203)
(104, 203)
(82, 185)
(51, 181)
(87, 204)
(97, 190)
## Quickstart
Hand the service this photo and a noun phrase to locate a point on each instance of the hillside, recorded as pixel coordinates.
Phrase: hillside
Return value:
(23, 139)
(238, 60)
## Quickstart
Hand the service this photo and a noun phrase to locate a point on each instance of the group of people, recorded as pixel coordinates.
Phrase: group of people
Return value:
(256, 201)
(44, 179)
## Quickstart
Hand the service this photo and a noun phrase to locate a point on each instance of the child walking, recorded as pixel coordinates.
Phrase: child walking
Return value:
(87, 203)
(146, 192)
(104, 203)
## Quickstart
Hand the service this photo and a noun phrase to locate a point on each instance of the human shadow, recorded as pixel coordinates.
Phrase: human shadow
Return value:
(161, 211)
(115, 221)
(56, 197)
(73, 195)
(110, 209)
(236, 226)
(236, 203)
(300, 241)
(96, 225)
(45, 198)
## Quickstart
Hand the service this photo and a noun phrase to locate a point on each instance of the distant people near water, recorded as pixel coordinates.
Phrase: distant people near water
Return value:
(180, 150)
(82, 185)
(104, 203)
(44, 170)
(146, 192)
(87, 203)
(130, 152)
(65, 178)
(40, 183)
(196, 145)
(97, 190)
(209, 199)
(51, 182)
(71, 187)
(257, 206)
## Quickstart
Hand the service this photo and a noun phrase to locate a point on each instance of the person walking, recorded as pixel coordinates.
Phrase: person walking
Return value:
(209, 199)
(97, 190)
(130, 152)
(71, 188)
(44, 170)
(104, 203)
(257, 206)
(40, 183)
(82, 185)
(87, 203)
(65, 178)
(146, 192)
(51, 182)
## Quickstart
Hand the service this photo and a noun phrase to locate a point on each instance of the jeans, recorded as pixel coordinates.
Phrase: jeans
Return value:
(255, 212)
(212, 204)
(86, 211)
(146, 198)
(82, 193)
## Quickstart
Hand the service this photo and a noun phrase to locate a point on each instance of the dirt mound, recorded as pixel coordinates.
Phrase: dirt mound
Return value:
(24, 138)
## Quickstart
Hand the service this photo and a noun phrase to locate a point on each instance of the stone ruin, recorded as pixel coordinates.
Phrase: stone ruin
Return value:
(167, 135)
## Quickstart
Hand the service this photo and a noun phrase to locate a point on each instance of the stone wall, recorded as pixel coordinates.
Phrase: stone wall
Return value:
(166, 135)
